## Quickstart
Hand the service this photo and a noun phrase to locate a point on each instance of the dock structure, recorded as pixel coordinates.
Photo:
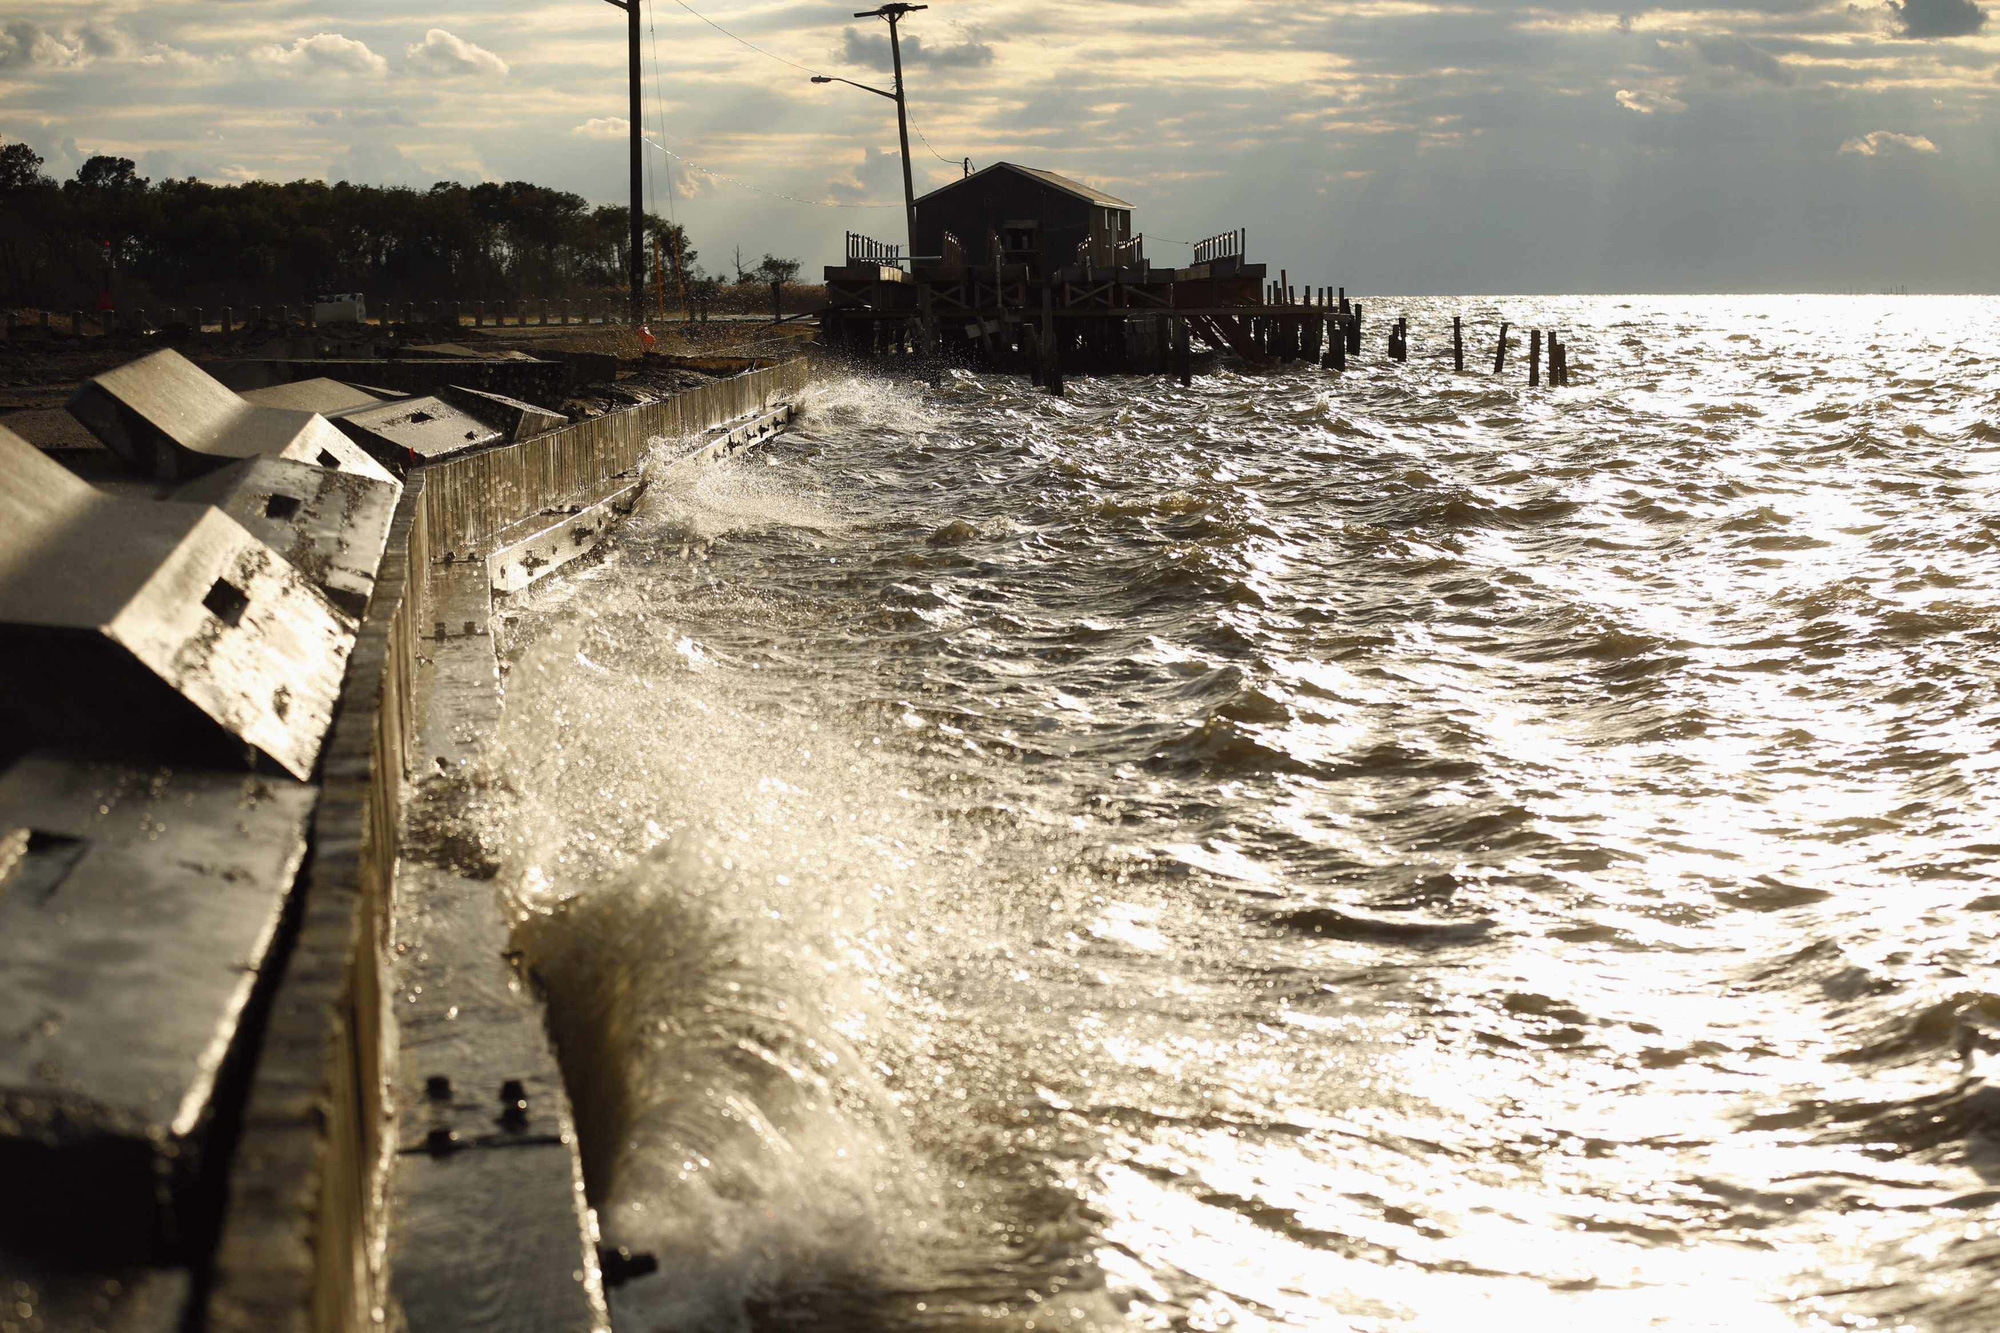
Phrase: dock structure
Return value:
(1022, 270)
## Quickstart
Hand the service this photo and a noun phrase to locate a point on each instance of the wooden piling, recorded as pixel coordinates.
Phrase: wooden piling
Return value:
(1051, 354)
(1458, 342)
(1183, 353)
(1534, 358)
(1500, 352)
(1354, 331)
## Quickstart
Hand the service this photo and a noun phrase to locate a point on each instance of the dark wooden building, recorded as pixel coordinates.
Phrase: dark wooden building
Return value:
(1013, 214)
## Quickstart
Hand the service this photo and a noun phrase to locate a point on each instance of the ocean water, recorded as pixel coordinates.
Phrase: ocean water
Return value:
(1392, 852)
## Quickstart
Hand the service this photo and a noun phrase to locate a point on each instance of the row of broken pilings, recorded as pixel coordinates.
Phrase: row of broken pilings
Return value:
(1291, 338)
(173, 648)
(1328, 329)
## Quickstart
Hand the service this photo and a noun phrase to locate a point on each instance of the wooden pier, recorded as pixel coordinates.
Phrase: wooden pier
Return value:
(1124, 316)
(1021, 269)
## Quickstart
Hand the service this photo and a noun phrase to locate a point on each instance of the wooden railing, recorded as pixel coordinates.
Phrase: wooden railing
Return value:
(1229, 245)
(867, 250)
(1102, 251)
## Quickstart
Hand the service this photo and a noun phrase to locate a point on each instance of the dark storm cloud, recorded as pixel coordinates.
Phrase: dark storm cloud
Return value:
(1939, 18)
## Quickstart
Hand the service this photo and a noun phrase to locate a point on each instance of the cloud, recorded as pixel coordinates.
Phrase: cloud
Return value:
(878, 178)
(604, 127)
(1884, 143)
(365, 118)
(161, 164)
(442, 54)
(872, 49)
(1647, 102)
(325, 52)
(1938, 18)
(23, 44)
(370, 162)
(1737, 54)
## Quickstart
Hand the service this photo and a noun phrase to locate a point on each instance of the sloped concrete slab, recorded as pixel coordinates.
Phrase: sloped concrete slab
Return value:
(168, 418)
(158, 628)
(321, 395)
(137, 908)
(412, 431)
(518, 420)
(330, 526)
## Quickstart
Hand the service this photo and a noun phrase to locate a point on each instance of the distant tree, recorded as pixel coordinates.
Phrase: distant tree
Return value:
(189, 241)
(20, 169)
(773, 269)
(742, 274)
(109, 173)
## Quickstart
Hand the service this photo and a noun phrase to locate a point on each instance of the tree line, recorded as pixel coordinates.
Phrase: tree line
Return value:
(111, 235)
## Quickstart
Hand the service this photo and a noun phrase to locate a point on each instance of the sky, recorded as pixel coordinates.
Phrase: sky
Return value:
(1391, 146)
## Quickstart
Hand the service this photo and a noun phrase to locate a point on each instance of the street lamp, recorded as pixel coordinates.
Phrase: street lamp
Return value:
(894, 14)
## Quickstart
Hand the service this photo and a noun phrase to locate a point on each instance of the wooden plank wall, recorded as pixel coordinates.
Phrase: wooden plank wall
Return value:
(300, 1245)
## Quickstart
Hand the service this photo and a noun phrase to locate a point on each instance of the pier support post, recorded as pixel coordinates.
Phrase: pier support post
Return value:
(1534, 358)
(1183, 353)
(1458, 342)
(1500, 352)
(1052, 378)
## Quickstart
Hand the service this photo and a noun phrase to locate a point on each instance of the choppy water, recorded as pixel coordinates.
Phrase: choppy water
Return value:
(1393, 852)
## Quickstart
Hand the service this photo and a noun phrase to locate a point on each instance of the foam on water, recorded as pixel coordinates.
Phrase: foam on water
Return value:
(1392, 852)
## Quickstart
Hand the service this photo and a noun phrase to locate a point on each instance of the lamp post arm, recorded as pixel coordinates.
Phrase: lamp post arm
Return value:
(832, 78)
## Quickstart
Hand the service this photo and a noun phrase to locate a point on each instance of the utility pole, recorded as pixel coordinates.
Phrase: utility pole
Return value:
(638, 242)
(894, 14)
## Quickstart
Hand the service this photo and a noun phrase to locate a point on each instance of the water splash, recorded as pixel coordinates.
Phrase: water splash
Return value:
(1289, 852)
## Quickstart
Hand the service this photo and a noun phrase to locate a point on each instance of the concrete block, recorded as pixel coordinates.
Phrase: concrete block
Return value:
(167, 417)
(518, 420)
(330, 526)
(411, 431)
(321, 395)
(161, 628)
(138, 906)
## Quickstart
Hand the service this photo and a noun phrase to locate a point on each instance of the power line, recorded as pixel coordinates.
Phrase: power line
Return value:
(774, 194)
(661, 116)
(950, 162)
(734, 38)
(659, 109)
(934, 152)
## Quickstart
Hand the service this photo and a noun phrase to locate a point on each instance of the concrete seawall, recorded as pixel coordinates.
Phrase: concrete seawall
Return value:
(303, 1238)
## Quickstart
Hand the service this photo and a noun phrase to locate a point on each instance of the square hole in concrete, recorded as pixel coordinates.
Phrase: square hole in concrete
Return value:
(227, 601)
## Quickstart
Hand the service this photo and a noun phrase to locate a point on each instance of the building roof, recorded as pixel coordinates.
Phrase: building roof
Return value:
(1063, 183)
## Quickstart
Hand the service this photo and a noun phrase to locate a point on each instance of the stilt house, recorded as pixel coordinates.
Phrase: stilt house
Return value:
(1011, 214)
